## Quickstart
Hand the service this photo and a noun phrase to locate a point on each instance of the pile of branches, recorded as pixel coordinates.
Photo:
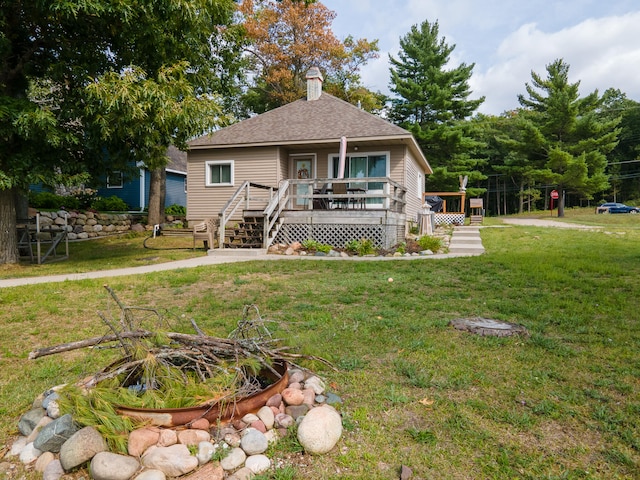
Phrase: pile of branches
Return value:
(170, 369)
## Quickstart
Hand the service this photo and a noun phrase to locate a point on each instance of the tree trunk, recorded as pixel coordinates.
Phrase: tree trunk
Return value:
(521, 204)
(8, 232)
(561, 203)
(157, 194)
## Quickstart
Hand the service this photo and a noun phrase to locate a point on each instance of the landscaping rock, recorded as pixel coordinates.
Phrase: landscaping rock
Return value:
(258, 463)
(44, 421)
(111, 466)
(211, 471)
(266, 415)
(297, 411)
(141, 439)
(29, 454)
(320, 430)
(151, 475)
(316, 384)
(167, 438)
(234, 459)
(44, 460)
(205, 452)
(53, 471)
(292, 396)
(18, 446)
(284, 420)
(243, 473)
(81, 447)
(274, 400)
(254, 442)
(193, 437)
(29, 420)
(174, 461)
(54, 434)
(201, 424)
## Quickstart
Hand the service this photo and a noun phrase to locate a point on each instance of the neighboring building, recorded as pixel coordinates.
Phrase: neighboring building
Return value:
(291, 157)
(136, 192)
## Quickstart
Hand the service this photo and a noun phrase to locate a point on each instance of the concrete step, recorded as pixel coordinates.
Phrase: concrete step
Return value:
(466, 241)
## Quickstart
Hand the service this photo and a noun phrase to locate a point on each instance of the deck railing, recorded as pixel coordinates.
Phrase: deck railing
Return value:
(368, 193)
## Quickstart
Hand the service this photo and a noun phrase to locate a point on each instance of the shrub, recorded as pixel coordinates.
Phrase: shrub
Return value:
(109, 204)
(51, 201)
(314, 245)
(175, 210)
(430, 243)
(362, 247)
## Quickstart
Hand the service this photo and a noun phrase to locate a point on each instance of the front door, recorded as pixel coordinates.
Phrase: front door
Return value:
(303, 168)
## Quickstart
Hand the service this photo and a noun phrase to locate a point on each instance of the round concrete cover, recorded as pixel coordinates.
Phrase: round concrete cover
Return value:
(488, 327)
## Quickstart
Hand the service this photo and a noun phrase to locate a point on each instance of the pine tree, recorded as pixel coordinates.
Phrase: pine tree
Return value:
(571, 134)
(432, 102)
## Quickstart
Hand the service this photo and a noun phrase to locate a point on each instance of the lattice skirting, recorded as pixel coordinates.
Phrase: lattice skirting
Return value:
(337, 235)
(449, 218)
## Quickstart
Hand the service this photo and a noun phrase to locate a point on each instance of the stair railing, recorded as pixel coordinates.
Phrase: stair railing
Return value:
(241, 199)
(272, 213)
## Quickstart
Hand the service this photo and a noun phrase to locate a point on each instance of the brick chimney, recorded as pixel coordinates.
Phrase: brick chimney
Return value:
(314, 84)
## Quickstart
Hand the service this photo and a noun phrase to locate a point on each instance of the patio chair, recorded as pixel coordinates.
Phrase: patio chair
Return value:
(340, 189)
(321, 203)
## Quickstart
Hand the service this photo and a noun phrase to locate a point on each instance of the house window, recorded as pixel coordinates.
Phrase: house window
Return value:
(219, 173)
(114, 180)
(363, 166)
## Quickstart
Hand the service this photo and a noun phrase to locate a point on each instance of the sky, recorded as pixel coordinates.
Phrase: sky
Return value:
(507, 40)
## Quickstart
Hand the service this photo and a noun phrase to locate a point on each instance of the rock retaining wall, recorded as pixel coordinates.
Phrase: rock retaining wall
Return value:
(89, 224)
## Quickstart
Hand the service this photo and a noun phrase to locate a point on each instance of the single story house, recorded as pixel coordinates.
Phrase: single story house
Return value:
(317, 168)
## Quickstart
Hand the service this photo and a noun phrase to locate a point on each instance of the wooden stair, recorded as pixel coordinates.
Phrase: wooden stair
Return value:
(246, 234)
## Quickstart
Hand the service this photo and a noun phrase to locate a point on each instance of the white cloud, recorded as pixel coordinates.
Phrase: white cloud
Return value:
(506, 40)
(602, 53)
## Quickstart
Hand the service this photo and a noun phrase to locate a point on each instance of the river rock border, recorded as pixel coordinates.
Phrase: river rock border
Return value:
(54, 445)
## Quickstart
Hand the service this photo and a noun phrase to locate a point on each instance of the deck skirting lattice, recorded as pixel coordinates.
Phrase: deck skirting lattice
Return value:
(449, 218)
(337, 235)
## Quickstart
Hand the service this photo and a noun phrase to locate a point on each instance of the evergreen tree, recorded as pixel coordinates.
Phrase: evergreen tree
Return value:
(569, 133)
(432, 102)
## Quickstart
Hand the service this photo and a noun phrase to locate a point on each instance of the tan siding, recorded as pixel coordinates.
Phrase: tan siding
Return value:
(254, 164)
(414, 202)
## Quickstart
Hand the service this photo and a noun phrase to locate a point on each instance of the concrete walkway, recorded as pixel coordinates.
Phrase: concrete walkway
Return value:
(465, 241)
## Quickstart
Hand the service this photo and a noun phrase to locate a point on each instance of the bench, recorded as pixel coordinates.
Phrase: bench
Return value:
(205, 231)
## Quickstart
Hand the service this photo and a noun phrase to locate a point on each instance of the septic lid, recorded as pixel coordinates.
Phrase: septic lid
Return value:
(488, 327)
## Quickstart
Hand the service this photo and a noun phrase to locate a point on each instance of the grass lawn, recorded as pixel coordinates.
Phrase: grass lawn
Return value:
(563, 403)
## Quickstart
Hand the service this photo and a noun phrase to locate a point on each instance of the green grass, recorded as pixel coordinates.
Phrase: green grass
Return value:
(563, 403)
(107, 253)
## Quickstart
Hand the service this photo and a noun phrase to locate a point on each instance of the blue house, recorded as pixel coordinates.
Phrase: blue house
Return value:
(135, 193)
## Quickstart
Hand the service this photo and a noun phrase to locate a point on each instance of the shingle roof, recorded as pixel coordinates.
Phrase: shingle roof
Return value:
(325, 119)
(177, 159)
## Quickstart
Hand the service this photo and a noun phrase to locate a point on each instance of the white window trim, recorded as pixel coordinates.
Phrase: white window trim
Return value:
(208, 164)
(120, 185)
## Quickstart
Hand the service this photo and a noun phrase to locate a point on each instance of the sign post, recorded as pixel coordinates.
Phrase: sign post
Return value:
(554, 196)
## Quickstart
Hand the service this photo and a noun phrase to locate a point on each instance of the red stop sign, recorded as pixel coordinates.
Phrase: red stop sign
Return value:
(554, 194)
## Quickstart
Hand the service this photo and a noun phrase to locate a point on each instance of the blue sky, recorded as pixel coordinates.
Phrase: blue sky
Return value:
(507, 39)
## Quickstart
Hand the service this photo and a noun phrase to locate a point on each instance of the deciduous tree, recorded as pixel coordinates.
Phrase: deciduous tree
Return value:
(50, 51)
(285, 39)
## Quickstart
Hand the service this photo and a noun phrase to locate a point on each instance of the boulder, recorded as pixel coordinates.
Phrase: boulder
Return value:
(81, 447)
(54, 434)
(174, 460)
(320, 430)
(111, 466)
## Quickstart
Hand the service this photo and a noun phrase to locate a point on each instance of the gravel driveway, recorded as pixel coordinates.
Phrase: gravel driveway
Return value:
(536, 222)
